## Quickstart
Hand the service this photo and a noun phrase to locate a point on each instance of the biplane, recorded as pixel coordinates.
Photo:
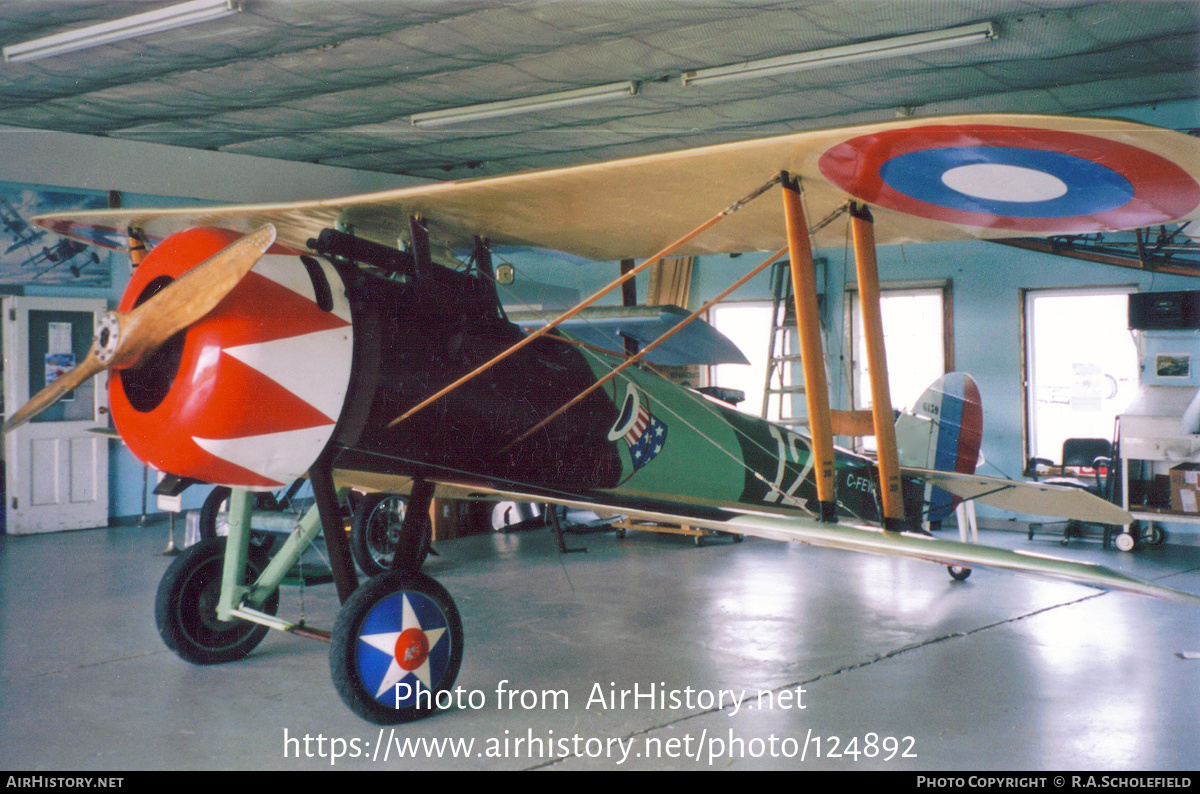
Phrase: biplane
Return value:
(49, 257)
(361, 342)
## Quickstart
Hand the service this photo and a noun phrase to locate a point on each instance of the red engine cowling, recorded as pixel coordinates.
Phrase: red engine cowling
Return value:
(248, 396)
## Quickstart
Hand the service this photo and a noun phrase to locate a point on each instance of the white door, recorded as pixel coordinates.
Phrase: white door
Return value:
(56, 472)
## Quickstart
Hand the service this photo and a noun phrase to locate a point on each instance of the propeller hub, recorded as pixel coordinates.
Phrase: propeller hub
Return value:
(108, 336)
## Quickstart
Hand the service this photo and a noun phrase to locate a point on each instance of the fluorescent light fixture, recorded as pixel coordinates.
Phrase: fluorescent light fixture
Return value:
(851, 53)
(531, 104)
(175, 16)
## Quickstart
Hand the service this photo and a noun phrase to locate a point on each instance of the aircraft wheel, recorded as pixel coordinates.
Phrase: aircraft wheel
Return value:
(214, 519)
(397, 642)
(211, 514)
(958, 573)
(1151, 534)
(376, 533)
(185, 608)
(1125, 541)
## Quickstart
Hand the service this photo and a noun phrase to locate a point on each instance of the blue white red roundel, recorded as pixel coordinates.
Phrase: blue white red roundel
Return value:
(404, 648)
(1019, 178)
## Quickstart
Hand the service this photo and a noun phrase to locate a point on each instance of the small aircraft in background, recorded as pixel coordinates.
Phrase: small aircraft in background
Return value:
(22, 233)
(61, 253)
(50, 256)
(255, 344)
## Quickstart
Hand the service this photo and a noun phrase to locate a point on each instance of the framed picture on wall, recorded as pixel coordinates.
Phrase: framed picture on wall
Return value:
(32, 255)
(1173, 365)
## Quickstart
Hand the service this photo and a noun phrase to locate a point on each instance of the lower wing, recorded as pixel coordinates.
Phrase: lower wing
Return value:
(846, 536)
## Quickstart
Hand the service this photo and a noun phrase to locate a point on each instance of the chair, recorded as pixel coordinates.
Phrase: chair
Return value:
(1078, 453)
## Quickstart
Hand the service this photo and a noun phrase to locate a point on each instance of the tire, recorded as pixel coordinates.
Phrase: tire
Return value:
(957, 572)
(1151, 534)
(398, 610)
(375, 536)
(1126, 542)
(214, 520)
(210, 513)
(185, 608)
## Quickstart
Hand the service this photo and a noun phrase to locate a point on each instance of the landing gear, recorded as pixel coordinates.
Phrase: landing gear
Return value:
(185, 608)
(1151, 534)
(958, 572)
(397, 643)
(376, 537)
(212, 514)
(1147, 533)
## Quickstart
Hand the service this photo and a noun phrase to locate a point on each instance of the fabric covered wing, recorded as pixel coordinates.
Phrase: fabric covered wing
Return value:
(958, 177)
(872, 540)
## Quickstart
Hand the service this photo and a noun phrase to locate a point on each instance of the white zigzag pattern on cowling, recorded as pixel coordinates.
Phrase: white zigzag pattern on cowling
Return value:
(280, 457)
(290, 363)
(286, 271)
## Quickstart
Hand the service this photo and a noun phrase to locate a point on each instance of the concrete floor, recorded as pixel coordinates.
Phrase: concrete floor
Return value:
(895, 659)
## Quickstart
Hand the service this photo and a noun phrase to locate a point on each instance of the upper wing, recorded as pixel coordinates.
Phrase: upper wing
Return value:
(948, 178)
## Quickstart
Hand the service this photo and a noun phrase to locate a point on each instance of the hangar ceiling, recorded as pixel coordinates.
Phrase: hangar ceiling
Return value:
(337, 81)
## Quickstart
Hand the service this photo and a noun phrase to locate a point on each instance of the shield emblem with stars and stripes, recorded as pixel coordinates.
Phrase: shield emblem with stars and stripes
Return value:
(642, 431)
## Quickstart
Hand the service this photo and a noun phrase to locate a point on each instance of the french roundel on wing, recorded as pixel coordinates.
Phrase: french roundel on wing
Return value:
(249, 395)
(1039, 181)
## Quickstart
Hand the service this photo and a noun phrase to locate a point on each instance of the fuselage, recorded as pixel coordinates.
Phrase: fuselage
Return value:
(310, 357)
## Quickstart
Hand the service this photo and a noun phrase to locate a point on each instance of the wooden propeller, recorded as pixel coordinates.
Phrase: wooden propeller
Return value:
(128, 339)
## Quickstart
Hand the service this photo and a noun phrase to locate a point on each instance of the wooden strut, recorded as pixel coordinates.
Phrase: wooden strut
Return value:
(137, 246)
(812, 357)
(863, 229)
(550, 326)
(629, 362)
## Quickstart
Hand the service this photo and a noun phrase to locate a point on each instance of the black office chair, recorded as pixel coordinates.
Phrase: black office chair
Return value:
(1078, 453)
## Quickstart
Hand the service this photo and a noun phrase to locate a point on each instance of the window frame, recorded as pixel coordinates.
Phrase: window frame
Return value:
(943, 286)
(1027, 332)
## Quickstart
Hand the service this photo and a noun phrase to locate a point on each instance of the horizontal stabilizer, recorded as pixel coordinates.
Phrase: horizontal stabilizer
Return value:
(1034, 498)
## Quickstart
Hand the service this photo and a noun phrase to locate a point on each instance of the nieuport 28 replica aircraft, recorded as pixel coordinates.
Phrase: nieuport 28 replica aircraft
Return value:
(360, 342)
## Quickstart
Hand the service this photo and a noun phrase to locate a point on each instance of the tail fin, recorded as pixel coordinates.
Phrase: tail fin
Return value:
(943, 432)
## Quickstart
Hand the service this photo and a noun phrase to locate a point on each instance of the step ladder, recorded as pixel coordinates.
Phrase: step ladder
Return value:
(783, 395)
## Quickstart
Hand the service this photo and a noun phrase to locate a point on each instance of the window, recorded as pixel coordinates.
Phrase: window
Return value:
(1081, 365)
(748, 326)
(915, 337)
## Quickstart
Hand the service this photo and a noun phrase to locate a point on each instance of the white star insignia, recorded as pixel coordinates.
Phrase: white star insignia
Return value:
(386, 642)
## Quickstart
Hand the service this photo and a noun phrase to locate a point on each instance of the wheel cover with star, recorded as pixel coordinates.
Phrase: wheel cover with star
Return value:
(397, 642)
